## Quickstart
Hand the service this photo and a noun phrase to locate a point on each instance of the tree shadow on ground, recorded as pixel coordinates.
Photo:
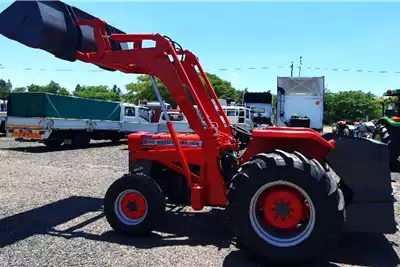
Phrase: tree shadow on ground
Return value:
(178, 228)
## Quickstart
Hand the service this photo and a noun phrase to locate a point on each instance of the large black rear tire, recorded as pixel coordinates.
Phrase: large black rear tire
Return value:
(326, 221)
(134, 205)
(80, 140)
(53, 143)
(391, 137)
(381, 134)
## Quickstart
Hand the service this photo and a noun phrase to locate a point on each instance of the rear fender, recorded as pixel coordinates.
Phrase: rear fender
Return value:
(389, 121)
(363, 166)
(304, 140)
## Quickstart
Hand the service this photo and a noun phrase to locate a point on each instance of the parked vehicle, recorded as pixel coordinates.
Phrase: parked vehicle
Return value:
(343, 128)
(300, 102)
(261, 105)
(56, 120)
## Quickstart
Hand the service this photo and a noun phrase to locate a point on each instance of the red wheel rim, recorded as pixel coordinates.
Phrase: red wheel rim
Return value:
(284, 207)
(133, 205)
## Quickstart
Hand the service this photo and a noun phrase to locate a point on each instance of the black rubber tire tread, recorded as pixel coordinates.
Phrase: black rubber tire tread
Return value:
(2, 127)
(308, 174)
(155, 204)
(80, 140)
(53, 143)
(115, 140)
(383, 132)
(386, 137)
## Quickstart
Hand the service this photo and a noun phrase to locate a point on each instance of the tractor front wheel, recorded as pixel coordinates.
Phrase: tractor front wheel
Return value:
(134, 204)
(285, 208)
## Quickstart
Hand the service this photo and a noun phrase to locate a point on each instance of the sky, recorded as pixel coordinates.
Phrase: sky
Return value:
(240, 35)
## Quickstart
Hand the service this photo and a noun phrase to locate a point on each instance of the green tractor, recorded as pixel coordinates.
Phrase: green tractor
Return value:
(388, 128)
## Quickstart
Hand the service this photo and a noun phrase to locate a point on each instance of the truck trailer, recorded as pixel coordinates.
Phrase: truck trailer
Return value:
(55, 120)
(300, 102)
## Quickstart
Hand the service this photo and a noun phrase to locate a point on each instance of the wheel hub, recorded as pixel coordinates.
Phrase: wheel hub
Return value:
(283, 208)
(133, 205)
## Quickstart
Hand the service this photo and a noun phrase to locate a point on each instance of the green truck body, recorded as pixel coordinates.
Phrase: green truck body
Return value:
(39, 104)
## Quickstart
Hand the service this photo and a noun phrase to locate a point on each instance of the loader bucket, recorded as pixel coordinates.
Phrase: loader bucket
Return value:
(363, 166)
(50, 26)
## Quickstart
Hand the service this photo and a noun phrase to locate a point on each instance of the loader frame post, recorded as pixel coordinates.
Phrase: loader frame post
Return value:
(187, 88)
(172, 131)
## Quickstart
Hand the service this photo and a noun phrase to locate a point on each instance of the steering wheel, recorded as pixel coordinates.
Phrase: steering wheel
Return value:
(241, 130)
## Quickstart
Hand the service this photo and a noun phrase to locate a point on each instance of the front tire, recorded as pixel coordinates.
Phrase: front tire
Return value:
(285, 208)
(134, 205)
(53, 143)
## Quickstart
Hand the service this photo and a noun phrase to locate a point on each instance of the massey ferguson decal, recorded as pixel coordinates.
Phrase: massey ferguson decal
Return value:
(169, 142)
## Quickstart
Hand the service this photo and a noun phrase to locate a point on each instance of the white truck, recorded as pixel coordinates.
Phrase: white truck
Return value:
(240, 115)
(261, 105)
(237, 114)
(300, 102)
(3, 115)
(54, 120)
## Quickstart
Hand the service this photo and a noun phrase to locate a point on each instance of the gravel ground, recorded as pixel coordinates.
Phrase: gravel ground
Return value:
(50, 215)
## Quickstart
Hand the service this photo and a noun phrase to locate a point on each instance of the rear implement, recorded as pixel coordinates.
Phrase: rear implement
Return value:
(284, 203)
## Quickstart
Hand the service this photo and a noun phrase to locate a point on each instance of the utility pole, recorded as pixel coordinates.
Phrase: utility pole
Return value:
(244, 92)
(301, 63)
(291, 70)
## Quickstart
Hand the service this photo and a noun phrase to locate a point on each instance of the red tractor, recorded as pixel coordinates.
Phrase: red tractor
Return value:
(283, 199)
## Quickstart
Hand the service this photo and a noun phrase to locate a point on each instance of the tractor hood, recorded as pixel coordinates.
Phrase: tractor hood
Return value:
(50, 26)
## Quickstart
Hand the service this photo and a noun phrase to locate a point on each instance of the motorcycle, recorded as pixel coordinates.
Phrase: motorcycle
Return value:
(356, 129)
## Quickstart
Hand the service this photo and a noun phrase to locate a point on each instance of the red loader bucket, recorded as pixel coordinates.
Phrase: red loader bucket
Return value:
(50, 26)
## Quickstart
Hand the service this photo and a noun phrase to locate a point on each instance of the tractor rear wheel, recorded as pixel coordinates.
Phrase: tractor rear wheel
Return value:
(134, 205)
(391, 137)
(382, 134)
(285, 208)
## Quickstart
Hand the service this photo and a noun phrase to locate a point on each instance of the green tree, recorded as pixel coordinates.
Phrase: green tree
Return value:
(55, 88)
(78, 88)
(52, 88)
(100, 92)
(143, 89)
(5, 89)
(33, 88)
(116, 90)
(19, 90)
(350, 105)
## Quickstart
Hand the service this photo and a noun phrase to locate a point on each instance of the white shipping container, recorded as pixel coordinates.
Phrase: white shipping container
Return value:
(302, 96)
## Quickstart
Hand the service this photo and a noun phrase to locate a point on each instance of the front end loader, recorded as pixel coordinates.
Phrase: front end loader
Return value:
(289, 195)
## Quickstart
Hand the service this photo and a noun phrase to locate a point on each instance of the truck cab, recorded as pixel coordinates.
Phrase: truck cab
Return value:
(240, 115)
(179, 120)
(133, 113)
(261, 105)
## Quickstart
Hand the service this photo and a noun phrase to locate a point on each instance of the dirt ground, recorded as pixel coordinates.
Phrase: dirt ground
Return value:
(51, 215)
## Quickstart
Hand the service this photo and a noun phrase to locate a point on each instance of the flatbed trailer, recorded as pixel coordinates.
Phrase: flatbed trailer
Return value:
(55, 120)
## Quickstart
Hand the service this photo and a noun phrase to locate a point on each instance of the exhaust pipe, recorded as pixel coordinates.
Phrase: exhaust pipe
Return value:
(51, 26)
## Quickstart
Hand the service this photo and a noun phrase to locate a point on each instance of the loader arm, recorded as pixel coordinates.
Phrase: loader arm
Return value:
(178, 75)
(64, 31)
